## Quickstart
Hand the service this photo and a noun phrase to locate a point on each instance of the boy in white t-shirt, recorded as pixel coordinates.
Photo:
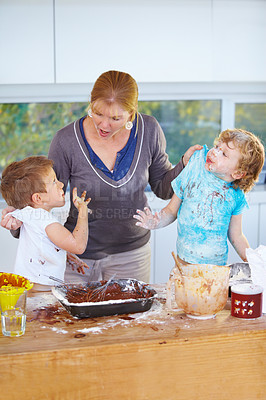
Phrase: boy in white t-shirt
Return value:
(31, 187)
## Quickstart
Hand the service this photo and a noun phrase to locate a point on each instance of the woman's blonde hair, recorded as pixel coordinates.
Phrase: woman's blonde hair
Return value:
(252, 156)
(119, 87)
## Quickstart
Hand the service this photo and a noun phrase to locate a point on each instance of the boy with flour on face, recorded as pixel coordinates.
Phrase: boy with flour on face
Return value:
(209, 198)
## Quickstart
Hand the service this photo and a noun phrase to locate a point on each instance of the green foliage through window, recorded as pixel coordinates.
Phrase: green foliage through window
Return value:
(27, 129)
(252, 117)
(185, 123)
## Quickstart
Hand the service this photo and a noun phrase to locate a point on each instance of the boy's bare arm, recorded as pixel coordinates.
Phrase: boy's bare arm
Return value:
(160, 219)
(76, 241)
(236, 237)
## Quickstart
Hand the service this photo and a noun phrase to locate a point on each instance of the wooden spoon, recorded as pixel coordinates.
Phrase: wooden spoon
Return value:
(177, 263)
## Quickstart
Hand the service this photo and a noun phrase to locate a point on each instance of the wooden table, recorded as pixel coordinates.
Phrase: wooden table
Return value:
(153, 355)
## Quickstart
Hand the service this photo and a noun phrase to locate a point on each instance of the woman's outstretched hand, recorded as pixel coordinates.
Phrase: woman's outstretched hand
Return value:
(146, 219)
(190, 152)
(8, 221)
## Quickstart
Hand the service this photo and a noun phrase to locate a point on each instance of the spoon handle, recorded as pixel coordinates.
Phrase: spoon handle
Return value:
(177, 264)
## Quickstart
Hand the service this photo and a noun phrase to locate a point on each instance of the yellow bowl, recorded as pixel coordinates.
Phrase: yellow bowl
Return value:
(11, 287)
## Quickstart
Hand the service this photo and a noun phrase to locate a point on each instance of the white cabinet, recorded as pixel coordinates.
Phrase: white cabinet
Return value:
(26, 41)
(162, 41)
(168, 41)
(239, 36)
(69, 41)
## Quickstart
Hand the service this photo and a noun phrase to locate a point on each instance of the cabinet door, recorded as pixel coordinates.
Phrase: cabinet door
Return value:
(239, 33)
(26, 42)
(158, 41)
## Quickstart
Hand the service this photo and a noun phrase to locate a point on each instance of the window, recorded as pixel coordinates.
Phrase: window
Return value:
(28, 128)
(252, 117)
(185, 123)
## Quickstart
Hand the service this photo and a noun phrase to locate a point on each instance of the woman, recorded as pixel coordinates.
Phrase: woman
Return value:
(114, 153)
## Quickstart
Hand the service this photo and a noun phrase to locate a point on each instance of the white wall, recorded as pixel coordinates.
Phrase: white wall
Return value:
(26, 41)
(74, 41)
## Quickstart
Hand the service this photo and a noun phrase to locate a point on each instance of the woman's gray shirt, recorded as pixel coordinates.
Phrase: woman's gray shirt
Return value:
(112, 228)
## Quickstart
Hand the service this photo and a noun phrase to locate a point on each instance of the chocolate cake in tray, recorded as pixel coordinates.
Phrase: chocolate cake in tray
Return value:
(103, 298)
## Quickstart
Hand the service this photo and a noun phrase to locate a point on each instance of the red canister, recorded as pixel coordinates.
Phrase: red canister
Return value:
(246, 301)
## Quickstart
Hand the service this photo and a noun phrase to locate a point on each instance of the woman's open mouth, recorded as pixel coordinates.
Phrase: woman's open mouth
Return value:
(103, 133)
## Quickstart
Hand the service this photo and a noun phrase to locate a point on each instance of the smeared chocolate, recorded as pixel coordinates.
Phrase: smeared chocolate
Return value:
(113, 291)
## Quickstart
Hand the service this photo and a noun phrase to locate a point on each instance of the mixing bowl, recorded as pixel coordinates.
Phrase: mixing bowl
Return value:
(202, 289)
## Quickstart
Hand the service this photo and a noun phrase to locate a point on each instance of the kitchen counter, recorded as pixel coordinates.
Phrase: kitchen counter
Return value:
(158, 354)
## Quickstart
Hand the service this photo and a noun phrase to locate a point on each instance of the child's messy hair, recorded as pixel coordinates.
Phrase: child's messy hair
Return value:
(252, 156)
(21, 179)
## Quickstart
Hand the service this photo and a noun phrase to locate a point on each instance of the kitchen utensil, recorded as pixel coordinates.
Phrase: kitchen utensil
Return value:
(78, 289)
(177, 264)
(100, 291)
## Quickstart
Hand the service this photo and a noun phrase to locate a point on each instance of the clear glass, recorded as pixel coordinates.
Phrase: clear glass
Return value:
(13, 311)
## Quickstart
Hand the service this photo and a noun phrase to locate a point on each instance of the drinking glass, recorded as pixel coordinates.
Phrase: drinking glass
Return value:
(13, 310)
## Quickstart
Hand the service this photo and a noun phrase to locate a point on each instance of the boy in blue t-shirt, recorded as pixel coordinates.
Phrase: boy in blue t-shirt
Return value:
(209, 199)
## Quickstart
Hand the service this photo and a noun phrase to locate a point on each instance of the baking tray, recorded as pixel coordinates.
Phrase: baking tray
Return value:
(240, 273)
(109, 307)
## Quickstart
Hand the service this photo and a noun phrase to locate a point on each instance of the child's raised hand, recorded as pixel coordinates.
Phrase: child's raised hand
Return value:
(146, 219)
(80, 202)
